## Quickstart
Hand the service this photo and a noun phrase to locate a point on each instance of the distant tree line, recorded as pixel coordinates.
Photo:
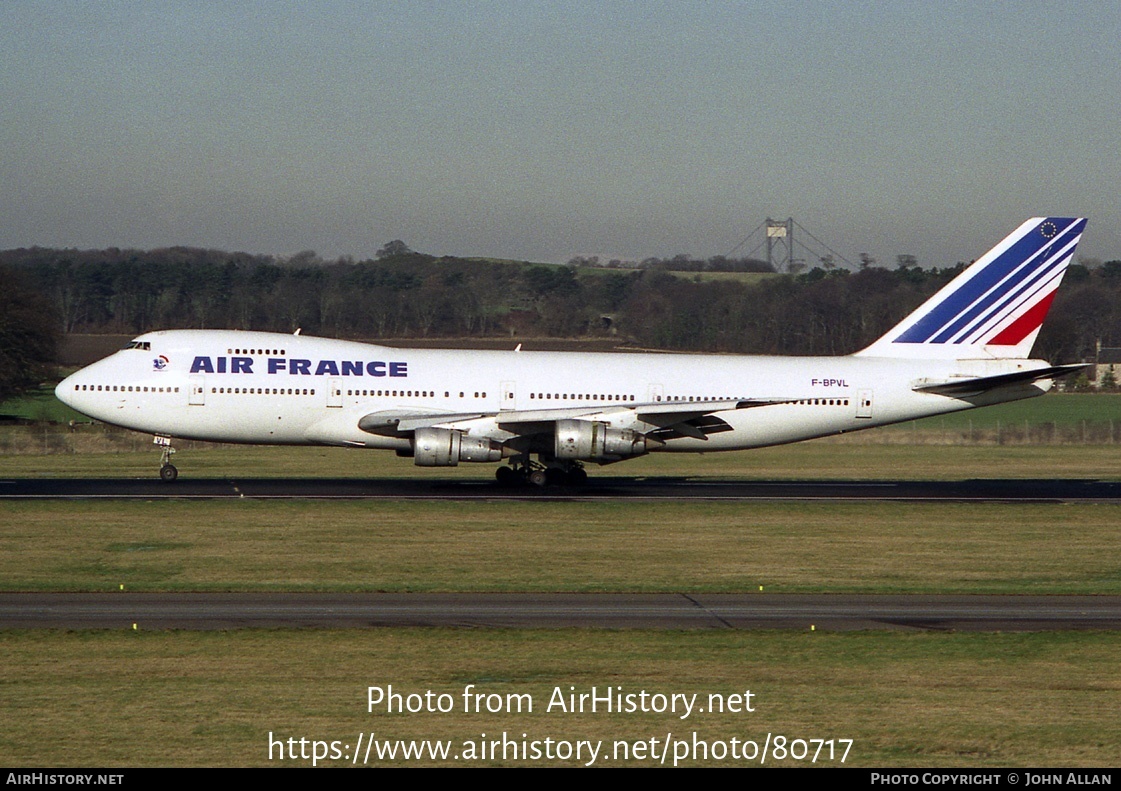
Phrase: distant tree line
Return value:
(405, 294)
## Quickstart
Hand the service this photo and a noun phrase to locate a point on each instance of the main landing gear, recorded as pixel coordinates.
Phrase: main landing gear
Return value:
(523, 471)
(168, 473)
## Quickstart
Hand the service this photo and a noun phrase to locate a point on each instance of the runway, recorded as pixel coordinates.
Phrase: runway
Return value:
(598, 488)
(827, 612)
(819, 612)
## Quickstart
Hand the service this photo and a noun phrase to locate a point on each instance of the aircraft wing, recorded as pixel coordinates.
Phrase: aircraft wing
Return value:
(975, 385)
(672, 418)
(393, 422)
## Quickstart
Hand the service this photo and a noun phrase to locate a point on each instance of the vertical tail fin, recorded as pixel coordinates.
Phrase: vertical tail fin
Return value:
(996, 307)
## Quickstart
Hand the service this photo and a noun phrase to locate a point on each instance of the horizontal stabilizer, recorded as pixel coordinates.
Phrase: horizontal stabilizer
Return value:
(982, 384)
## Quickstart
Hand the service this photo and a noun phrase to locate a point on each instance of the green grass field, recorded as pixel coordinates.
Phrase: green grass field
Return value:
(40, 405)
(546, 546)
(1061, 409)
(167, 698)
(889, 453)
(213, 698)
(747, 278)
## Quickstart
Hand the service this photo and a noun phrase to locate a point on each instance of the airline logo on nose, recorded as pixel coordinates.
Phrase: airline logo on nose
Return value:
(160, 363)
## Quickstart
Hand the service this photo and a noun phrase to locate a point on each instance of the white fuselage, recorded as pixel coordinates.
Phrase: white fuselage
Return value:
(266, 388)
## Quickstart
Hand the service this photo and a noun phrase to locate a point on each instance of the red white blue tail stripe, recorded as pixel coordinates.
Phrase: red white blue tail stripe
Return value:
(996, 307)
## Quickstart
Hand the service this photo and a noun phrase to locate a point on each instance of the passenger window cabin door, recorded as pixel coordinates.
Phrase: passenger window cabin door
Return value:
(196, 391)
(509, 396)
(864, 404)
(334, 392)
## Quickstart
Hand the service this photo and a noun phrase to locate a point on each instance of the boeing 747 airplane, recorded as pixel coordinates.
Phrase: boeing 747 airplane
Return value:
(967, 346)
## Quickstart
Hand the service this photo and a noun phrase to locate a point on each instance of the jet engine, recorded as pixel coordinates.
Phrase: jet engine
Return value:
(445, 447)
(589, 440)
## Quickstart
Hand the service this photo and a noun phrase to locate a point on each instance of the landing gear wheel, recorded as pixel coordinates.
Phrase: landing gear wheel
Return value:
(577, 476)
(506, 476)
(555, 476)
(538, 478)
(167, 472)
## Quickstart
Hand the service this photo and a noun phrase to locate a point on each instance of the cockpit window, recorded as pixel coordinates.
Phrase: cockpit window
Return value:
(142, 345)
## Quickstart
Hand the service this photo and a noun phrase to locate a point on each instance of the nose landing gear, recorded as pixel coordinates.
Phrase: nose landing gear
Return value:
(168, 473)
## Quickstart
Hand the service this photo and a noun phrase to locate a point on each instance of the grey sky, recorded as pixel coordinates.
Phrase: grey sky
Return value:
(544, 130)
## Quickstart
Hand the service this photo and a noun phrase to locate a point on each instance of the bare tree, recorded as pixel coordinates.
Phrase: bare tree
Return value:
(394, 248)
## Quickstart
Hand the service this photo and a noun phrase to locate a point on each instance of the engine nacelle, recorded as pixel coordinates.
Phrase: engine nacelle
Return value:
(590, 440)
(445, 447)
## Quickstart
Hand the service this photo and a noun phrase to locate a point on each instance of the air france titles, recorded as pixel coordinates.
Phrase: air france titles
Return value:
(298, 367)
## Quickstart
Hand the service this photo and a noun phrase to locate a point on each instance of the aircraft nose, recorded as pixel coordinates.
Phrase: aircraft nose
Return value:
(64, 391)
(69, 392)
